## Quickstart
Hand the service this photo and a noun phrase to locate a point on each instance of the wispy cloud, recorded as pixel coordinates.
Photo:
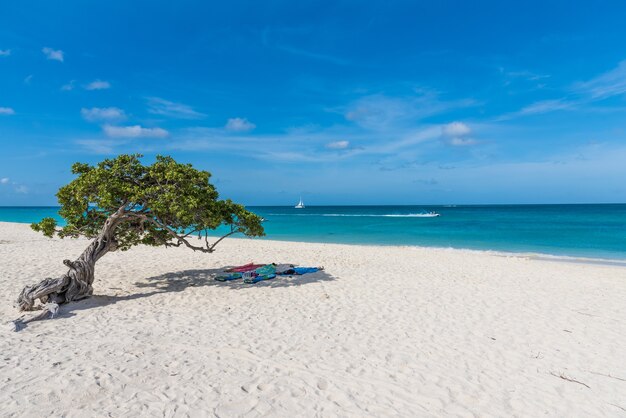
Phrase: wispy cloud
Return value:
(611, 83)
(381, 126)
(239, 125)
(69, 86)
(268, 33)
(543, 106)
(461, 141)
(428, 182)
(381, 112)
(307, 145)
(99, 146)
(338, 145)
(28, 79)
(97, 114)
(319, 145)
(134, 131)
(312, 55)
(546, 106)
(167, 108)
(18, 188)
(98, 85)
(6, 111)
(5, 52)
(526, 75)
(53, 54)
(403, 140)
(292, 157)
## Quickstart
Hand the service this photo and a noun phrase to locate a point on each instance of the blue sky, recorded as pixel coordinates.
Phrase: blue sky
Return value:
(342, 102)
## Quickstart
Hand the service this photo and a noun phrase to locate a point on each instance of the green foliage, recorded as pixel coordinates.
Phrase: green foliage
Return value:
(46, 226)
(158, 204)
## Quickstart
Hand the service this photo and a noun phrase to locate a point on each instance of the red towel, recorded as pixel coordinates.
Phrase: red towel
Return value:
(244, 268)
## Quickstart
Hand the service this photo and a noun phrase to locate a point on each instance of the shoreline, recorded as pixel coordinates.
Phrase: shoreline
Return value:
(530, 255)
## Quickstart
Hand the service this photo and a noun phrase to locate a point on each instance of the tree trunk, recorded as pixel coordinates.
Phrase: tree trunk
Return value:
(76, 284)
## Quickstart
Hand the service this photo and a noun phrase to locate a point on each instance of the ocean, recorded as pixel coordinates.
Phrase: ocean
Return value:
(596, 231)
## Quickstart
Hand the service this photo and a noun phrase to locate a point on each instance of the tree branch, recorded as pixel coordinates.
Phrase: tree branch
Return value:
(212, 247)
(174, 234)
(180, 239)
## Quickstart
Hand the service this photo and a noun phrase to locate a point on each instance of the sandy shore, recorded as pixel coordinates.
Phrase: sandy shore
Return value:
(384, 331)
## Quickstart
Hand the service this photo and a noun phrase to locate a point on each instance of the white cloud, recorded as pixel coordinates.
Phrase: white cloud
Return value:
(134, 131)
(239, 125)
(96, 114)
(457, 134)
(98, 85)
(5, 52)
(52, 54)
(338, 145)
(69, 86)
(28, 79)
(21, 189)
(6, 111)
(4, 180)
(456, 129)
(164, 107)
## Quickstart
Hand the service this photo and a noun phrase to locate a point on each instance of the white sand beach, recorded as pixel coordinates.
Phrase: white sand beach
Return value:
(383, 331)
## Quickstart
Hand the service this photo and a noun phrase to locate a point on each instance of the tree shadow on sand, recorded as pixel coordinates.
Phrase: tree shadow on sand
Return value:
(181, 280)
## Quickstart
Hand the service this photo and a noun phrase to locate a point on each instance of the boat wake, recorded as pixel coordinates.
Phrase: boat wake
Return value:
(387, 215)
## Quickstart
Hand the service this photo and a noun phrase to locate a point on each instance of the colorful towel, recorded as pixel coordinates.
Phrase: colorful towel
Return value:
(266, 269)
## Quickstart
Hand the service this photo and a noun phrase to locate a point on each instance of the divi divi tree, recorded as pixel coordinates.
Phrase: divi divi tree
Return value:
(120, 203)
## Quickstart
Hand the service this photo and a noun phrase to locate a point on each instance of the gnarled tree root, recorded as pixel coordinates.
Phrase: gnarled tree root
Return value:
(72, 286)
(75, 285)
(49, 310)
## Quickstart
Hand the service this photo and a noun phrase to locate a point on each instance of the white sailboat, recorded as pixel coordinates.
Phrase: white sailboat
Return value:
(300, 204)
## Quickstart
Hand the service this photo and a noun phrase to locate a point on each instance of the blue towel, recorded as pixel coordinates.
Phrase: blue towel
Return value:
(304, 270)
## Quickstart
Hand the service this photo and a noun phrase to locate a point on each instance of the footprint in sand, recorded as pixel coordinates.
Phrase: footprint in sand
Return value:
(322, 384)
(297, 392)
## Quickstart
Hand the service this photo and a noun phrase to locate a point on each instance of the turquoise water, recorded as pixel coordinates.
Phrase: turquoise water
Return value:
(572, 230)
